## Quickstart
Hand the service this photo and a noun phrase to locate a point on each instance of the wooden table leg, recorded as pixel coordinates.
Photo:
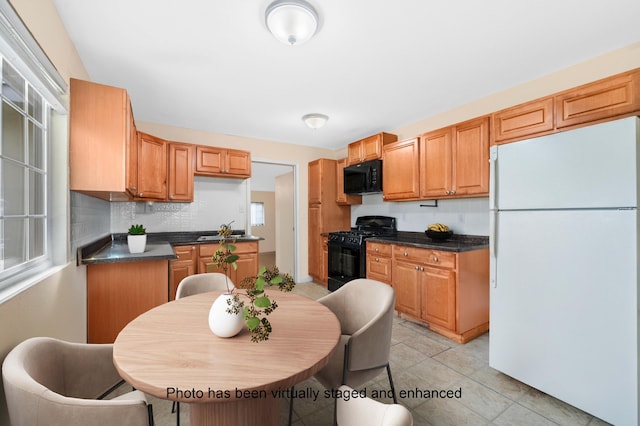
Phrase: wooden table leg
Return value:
(242, 412)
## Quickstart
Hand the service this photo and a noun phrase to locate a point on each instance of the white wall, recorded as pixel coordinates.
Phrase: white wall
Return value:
(464, 216)
(268, 230)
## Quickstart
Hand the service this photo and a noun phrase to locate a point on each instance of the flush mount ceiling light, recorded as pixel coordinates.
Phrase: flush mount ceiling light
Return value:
(315, 121)
(291, 21)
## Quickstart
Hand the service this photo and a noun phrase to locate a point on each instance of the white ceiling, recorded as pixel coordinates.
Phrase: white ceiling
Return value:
(373, 66)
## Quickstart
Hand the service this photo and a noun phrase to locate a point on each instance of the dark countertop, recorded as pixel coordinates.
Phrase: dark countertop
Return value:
(457, 242)
(113, 248)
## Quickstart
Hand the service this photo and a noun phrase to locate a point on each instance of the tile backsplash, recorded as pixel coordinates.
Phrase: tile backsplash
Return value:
(90, 219)
(216, 201)
(463, 215)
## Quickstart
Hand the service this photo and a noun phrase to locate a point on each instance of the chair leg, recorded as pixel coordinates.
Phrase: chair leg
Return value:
(291, 405)
(175, 408)
(150, 411)
(393, 389)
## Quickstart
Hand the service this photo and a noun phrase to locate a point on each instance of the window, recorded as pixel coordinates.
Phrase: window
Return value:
(33, 175)
(257, 214)
(24, 115)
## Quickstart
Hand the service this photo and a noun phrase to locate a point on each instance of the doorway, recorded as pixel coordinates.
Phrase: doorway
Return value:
(273, 191)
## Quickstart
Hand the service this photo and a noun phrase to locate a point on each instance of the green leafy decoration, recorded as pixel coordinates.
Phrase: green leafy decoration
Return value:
(223, 256)
(262, 302)
(259, 303)
(252, 323)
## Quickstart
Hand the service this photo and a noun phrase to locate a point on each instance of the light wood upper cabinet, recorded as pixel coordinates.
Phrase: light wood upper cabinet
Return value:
(369, 148)
(607, 99)
(102, 141)
(180, 172)
(471, 158)
(454, 161)
(316, 173)
(531, 119)
(152, 168)
(436, 161)
(400, 170)
(341, 197)
(222, 162)
(599, 100)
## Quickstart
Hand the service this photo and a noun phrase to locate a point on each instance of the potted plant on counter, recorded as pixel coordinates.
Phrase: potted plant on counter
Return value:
(137, 239)
(254, 304)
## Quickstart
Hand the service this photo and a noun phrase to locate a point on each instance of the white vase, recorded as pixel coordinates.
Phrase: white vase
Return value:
(137, 243)
(221, 322)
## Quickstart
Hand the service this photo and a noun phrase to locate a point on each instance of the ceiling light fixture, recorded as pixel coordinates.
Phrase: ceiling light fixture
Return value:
(291, 21)
(315, 121)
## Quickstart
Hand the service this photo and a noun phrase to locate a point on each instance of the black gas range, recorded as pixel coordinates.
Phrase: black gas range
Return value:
(347, 254)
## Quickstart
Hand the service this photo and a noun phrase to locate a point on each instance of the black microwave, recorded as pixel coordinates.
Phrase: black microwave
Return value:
(363, 178)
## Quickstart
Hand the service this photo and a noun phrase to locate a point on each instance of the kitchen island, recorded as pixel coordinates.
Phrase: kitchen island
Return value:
(122, 285)
(443, 284)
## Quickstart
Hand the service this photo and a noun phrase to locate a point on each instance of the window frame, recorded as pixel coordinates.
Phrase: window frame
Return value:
(43, 260)
(25, 55)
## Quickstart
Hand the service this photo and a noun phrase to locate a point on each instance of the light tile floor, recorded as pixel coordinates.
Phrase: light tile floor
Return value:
(421, 359)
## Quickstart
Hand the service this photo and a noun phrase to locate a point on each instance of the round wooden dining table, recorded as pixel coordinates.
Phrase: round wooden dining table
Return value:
(170, 352)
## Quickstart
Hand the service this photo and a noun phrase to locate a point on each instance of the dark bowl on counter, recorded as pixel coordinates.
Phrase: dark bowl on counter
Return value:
(438, 236)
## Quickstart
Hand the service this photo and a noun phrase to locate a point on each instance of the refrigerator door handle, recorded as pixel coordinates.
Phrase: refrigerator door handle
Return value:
(493, 178)
(493, 246)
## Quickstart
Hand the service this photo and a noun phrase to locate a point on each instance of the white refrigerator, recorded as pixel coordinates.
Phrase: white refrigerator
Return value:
(564, 266)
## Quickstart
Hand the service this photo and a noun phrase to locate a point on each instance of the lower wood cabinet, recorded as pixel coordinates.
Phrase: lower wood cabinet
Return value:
(119, 292)
(247, 263)
(186, 264)
(324, 276)
(379, 262)
(447, 290)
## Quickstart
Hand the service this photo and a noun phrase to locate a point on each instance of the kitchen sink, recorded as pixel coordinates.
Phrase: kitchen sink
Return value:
(208, 238)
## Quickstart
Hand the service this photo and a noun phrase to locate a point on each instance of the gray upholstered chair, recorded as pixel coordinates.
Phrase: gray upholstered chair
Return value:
(202, 283)
(365, 309)
(195, 284)
(367, 411)
(52, 382)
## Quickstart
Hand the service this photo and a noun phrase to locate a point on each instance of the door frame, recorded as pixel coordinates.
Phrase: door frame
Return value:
(296, 217)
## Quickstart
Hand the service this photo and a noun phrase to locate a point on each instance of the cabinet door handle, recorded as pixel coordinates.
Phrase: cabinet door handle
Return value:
(133, 189)
(377, 259)
(421, 269)
(376, 249)
(405, 254)
(417, 268)
(140, 195)
(435, 258)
